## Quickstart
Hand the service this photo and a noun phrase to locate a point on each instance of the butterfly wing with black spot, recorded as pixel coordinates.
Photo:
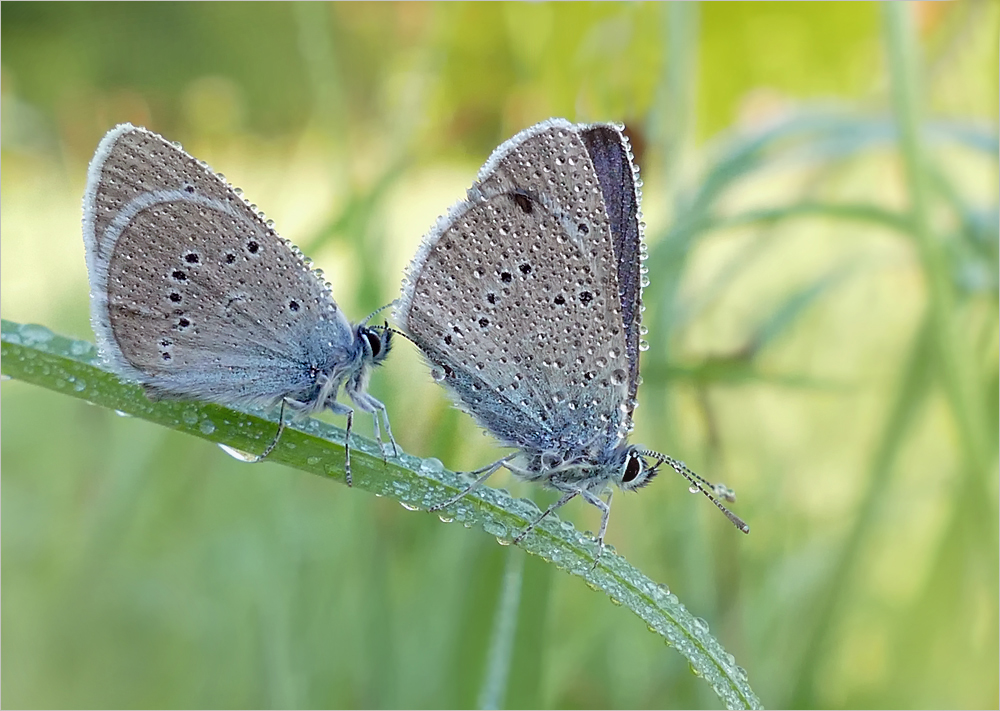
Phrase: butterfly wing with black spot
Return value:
(192, 293)
(515, 296)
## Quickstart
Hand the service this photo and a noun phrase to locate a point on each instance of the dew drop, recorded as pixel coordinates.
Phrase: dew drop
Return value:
(437, 374)
(122, 414)
(495, 527)
(238, 454)
(81, 348)
(206, 427)
(33, 333)
(431, 465)
(693, 489)
(724, 492)
(409, 507)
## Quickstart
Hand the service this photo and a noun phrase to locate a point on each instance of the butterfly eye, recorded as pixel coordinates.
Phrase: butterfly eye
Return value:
(635, 472)
(379, 342)
(374, 342)
(633, 468)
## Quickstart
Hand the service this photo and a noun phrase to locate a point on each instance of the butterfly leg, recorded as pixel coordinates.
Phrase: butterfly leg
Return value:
(565, 499)
(486, 472)
(378, 407)
(340, 409)
(605, 507)
(369, 404)
(277, 435)
(347, 448)
(388, 430)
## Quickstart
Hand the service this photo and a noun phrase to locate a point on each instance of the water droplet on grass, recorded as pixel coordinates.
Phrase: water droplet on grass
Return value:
(238, 454)
(81, 348)
(431, 465)
(33, 334)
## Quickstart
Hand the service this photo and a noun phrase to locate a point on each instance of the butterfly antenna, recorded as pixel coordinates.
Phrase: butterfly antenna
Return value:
(385, 327)
(379, 309)
(701, 484)
(390, 329)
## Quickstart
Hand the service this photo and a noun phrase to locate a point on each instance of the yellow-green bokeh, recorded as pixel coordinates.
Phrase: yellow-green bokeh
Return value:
(145, 568)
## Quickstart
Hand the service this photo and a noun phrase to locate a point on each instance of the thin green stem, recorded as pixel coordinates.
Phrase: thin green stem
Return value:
(958, 368)
(939, 355)
(910, 396)
(498, 659)
(673, 115)
(857, 212)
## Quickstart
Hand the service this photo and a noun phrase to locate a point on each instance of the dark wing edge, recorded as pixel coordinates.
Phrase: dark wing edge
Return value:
(618, 176)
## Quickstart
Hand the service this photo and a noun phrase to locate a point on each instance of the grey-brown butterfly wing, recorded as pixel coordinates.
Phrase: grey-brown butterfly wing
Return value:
(565, 162)
(192, 293)
(515, 298)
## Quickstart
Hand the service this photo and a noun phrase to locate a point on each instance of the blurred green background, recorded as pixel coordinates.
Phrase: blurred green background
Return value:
(823, 316)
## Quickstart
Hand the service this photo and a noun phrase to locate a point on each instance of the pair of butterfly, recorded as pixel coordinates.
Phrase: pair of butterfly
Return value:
(525, 298)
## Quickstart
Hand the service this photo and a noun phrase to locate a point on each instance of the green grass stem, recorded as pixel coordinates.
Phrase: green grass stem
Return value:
(34, 354)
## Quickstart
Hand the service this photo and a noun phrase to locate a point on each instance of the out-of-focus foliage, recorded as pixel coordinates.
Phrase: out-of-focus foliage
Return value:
(822, 309)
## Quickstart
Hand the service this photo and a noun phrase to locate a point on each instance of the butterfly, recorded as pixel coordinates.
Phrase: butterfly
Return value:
(526, 299)
(195, 296)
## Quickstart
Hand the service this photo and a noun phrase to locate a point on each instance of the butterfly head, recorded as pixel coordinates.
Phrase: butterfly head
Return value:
(636, 472)
(376, 342)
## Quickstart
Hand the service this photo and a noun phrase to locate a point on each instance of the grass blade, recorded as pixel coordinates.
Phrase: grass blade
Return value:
(34, 354)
